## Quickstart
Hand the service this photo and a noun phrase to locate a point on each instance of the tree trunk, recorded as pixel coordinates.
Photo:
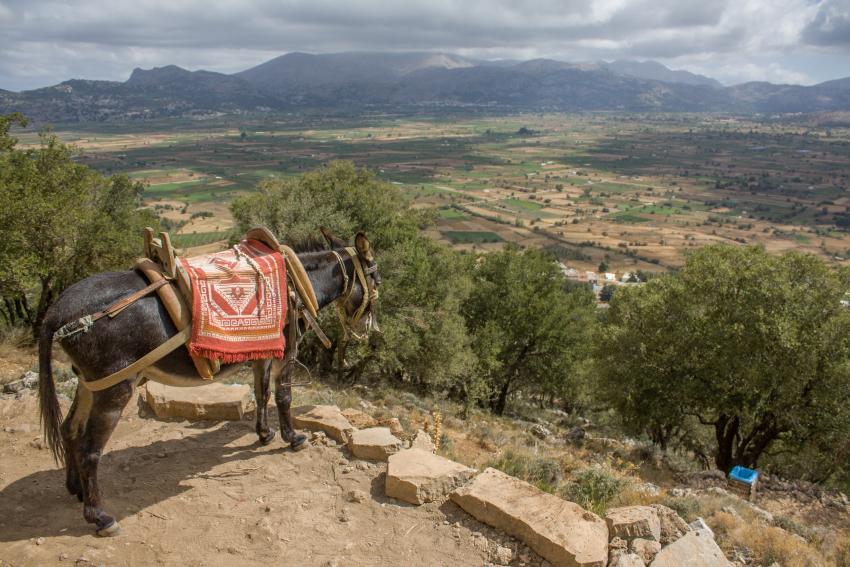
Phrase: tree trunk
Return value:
(726, 433)
(733, 450)
(754, 445)
(498, 403)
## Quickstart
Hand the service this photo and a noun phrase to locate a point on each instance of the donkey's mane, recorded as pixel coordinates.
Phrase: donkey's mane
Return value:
(308, 244)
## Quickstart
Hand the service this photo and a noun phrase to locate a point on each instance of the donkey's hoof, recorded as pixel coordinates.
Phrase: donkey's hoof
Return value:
(266, 439)
(298, 442)
(111, 530)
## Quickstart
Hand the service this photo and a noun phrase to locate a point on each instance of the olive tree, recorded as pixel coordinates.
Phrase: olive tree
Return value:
(754, 346)
(61, 221)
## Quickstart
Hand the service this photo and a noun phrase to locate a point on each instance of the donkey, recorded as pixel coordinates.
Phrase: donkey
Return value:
(114, 343)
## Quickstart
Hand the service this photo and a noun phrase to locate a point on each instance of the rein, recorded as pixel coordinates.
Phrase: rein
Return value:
(370, 294)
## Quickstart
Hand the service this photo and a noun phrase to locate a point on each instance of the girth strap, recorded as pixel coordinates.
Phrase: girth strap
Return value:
(153, 356)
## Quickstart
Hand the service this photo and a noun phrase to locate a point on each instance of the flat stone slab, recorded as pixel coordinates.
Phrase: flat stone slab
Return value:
(694, 549)
(561, 532)
(630, 522)
(418, 476)
(323, 418)
(212, 402)
(374, 444)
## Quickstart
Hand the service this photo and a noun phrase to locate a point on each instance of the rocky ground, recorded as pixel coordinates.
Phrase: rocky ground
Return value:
(208, 494)
(203, 492)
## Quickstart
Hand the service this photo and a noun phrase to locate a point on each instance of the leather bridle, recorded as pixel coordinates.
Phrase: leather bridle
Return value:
(370, 293)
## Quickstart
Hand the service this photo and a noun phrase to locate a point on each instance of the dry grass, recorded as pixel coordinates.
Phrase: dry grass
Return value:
(17, 353)
(767, 544)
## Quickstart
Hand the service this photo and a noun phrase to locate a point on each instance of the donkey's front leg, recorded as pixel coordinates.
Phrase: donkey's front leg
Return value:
(283, 400)
(262, 379)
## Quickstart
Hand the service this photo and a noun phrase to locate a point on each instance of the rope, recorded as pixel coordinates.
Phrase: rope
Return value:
(254, 266)
(81, 325)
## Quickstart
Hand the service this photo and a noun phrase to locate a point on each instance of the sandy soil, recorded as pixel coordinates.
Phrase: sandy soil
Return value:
(207, 494)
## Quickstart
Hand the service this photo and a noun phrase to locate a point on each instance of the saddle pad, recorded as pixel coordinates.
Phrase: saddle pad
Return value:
(238, 303)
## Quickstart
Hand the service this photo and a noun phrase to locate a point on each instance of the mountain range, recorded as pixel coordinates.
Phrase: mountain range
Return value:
(359, 81)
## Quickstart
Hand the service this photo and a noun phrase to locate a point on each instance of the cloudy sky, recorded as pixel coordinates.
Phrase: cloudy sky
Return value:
(43, 42)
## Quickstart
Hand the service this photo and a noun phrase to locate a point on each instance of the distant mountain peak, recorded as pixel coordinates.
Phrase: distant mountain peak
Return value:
(141, 76)
(413, 80)
(655, 71)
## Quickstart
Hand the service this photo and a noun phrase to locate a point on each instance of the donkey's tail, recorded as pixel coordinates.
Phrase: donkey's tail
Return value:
(51, 413)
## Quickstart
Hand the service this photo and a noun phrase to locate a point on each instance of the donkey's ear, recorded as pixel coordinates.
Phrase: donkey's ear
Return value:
(333, 241)
(364, 249)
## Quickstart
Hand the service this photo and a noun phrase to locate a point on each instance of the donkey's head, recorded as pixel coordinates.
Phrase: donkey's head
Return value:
(357, 305)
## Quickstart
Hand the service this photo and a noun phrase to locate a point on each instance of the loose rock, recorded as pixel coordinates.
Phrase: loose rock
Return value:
(323, 418)
(503, 555)
(645, 549)
(540, 432)
(394, 424)
(418, 476)
(423, 441)
(672, 525)
(576, 434)
(695, 549)
(625, 559)
(375, 443)
(632, 522)
(357, 496)
(28, 381)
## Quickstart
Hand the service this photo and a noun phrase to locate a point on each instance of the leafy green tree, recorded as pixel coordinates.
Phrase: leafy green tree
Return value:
(607, 292)
(529, 334)
(340, 196)
(754, 346)
(425, 342)
(61, 221)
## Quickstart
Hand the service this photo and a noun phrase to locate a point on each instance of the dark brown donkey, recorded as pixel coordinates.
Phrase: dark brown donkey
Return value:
(114, 343)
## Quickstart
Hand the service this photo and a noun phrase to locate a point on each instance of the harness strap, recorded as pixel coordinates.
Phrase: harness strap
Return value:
(295, 271)
(311, 321)
(153, 356)
(358, 269)
(82, 325)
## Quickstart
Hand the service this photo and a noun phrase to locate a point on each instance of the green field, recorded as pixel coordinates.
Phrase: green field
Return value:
(522, 204)
(451, 214)
(630, 218)
(471, 236)
(591, 175)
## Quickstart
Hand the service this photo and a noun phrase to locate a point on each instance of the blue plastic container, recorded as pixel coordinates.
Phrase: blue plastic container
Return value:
(744, 475)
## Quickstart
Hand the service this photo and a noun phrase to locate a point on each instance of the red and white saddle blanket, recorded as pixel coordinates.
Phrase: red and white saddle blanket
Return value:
(238, 303)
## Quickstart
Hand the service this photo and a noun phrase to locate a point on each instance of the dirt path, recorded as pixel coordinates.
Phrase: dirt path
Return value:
(207, 494)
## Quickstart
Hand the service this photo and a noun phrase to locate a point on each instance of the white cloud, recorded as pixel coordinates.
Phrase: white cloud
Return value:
(733, 39)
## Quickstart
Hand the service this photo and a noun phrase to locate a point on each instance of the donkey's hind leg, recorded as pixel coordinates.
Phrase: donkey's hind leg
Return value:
(72, 430)
(283, 400)
(262, 377)
(105, 413)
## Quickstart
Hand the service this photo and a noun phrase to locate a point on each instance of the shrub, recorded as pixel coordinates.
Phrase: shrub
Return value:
(688, 507)
(544, 472)
(793, 526)
(594, 488)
